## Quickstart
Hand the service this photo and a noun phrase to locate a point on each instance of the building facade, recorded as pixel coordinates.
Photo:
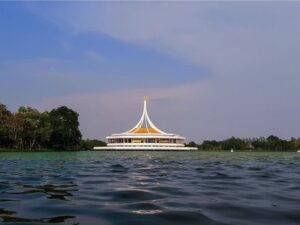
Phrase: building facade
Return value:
(145, 136)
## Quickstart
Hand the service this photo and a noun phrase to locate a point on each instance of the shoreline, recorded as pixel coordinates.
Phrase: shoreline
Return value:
(91, 150)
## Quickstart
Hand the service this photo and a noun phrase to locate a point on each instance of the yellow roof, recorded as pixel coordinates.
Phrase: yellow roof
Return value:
(143, 130)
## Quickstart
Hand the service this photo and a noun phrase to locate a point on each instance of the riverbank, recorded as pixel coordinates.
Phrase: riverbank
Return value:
(83, 150)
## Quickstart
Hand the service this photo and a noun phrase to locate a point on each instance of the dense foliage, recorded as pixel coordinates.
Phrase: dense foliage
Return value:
(272, 143)
(30, 129)
(65, 132)
(59, 129)
(90, 144)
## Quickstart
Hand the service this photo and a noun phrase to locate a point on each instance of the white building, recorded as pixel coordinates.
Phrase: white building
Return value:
(145, 136)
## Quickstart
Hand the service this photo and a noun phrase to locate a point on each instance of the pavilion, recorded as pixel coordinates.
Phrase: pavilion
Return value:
(145, 136)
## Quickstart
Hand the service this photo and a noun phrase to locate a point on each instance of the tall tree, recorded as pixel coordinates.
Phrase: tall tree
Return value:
(16, 129)
(234, 143)
(36, 129)
(65, 128)
(31, 124)
(5, 115)
(44, 131)
(273, 138)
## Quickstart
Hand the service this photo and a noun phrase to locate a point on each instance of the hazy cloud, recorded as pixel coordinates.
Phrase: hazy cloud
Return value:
(251, 50)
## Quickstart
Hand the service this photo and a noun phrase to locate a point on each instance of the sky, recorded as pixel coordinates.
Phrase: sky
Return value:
(211, 70)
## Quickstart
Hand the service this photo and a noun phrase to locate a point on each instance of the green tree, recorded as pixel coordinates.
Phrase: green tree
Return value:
(234, 143)
(192, 144)
(44, 131)
(90, 144)
(295, 144)
(65, 132)
(210, 145)
(273, 138)
(29, 129)
(260, 143)
(5, 115)
(16, 129)
(31, 125)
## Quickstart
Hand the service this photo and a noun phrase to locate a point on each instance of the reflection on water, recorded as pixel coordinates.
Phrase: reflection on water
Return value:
(149, 188)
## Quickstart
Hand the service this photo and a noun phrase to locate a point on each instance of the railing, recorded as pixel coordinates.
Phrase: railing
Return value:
(145, 144)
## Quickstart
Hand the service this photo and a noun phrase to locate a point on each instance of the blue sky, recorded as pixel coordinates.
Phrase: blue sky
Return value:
(98, 61)
(211, 70)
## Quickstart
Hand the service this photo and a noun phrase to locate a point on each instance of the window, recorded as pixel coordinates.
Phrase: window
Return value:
(151, 140)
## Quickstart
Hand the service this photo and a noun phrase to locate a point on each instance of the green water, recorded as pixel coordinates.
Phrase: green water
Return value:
(150, 188)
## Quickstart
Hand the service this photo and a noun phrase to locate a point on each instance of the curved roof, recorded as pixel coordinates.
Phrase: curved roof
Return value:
(145, 125)
(144, 130)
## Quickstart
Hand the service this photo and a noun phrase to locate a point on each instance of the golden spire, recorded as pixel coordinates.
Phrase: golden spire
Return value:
(145, 98)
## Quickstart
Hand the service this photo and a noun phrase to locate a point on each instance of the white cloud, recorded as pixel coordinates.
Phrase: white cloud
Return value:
(197, 111)
(105, 113)
(251, 49)
(228, 38)
(96, 57)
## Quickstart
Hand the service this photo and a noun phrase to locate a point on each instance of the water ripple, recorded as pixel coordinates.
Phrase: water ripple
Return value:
(150, 188)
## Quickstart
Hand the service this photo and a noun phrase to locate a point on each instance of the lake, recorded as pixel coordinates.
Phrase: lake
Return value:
(142, 188)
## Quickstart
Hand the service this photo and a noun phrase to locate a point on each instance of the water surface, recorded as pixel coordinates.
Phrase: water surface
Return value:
(142, 188)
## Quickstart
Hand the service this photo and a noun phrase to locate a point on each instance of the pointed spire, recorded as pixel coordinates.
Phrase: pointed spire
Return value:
(145, 125)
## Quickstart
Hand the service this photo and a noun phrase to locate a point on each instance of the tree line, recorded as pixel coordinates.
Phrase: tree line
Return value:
(271, 143)
(59, 129)
(30, 129)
